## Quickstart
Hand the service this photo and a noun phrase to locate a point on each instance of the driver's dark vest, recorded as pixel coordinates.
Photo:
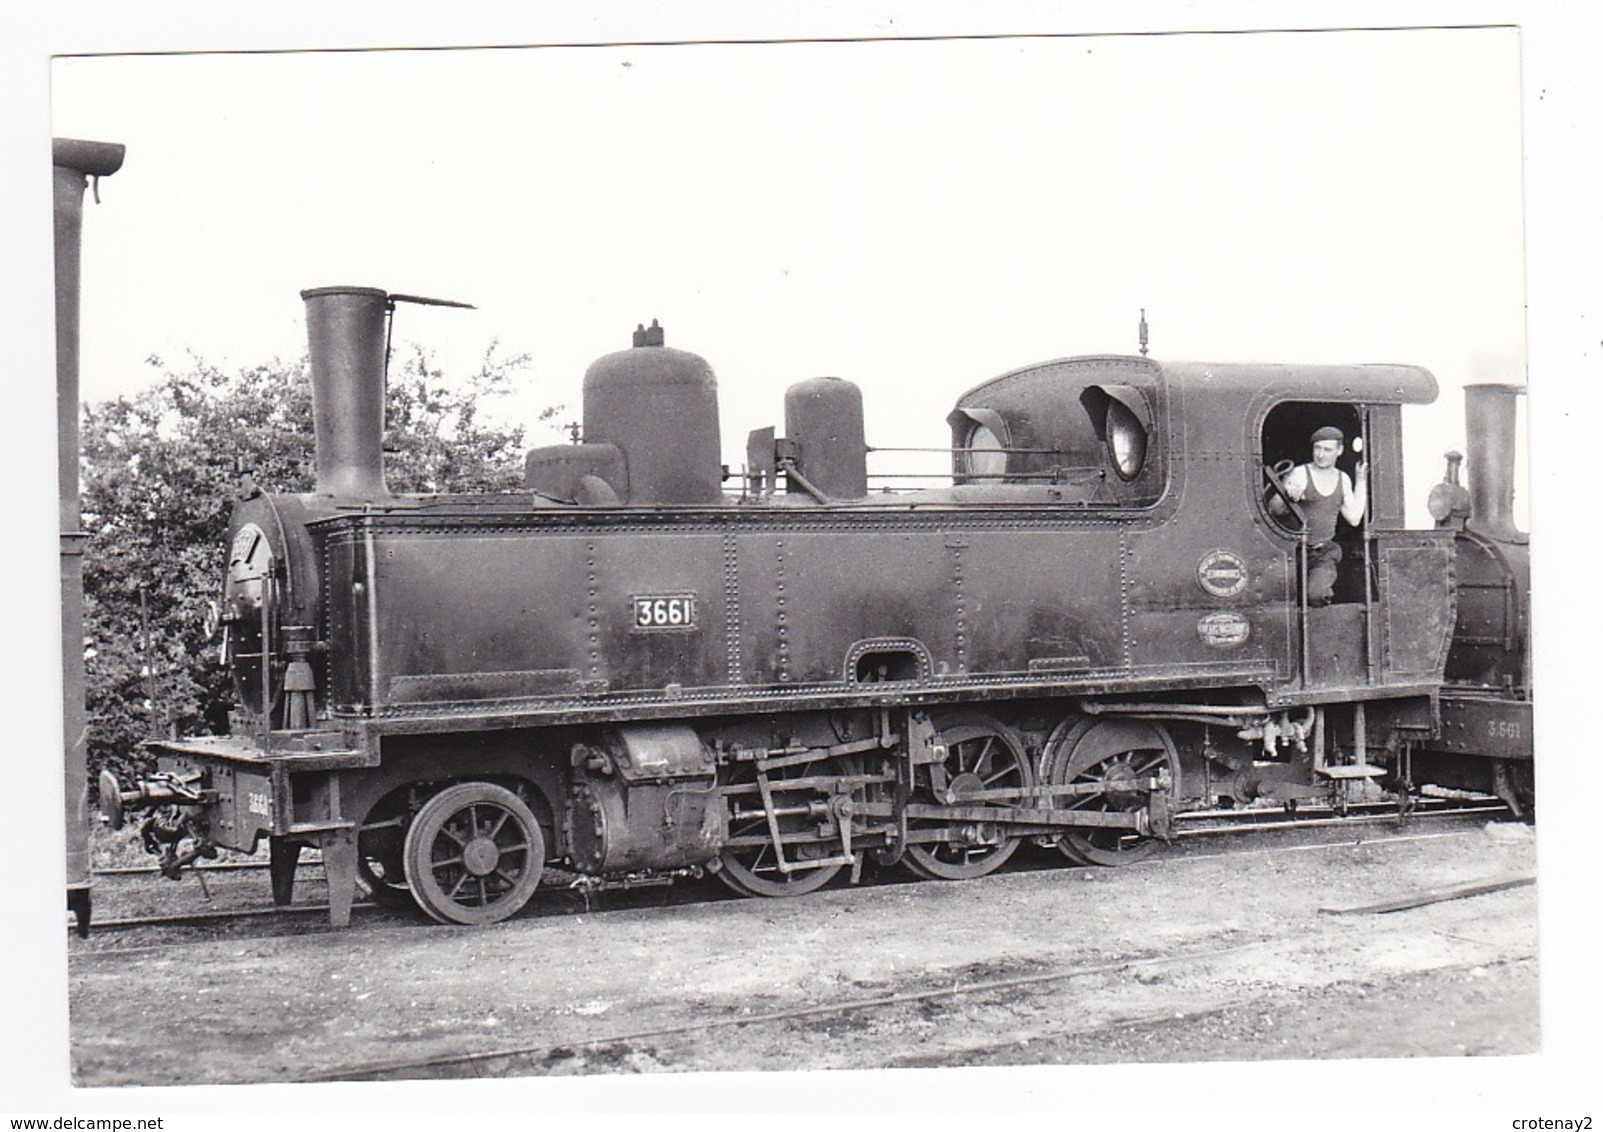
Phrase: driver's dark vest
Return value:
(1320, 511)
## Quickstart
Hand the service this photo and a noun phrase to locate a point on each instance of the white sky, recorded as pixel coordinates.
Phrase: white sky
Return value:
(914, 216)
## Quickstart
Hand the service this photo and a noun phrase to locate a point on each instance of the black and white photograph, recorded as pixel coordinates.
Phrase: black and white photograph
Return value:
(935, 559)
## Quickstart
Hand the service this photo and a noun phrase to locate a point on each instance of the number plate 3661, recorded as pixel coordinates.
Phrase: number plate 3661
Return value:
(665, 611)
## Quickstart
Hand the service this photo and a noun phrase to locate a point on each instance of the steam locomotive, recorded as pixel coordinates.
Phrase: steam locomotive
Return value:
(639, 666)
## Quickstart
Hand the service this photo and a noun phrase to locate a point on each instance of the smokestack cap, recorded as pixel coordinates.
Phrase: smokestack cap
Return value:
(317, 292)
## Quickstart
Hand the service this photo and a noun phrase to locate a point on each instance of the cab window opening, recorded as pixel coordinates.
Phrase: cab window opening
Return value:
(1290, 433)
(1287, 443)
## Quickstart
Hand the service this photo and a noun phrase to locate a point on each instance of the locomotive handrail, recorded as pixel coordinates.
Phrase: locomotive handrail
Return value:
(1059, 474)
(267, 653)
(1088, 473)
(1007, 451)
(1368, 567)
(1280, 492)
(1302, 606)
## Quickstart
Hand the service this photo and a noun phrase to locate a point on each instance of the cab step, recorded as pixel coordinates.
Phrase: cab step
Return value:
(1357, 770)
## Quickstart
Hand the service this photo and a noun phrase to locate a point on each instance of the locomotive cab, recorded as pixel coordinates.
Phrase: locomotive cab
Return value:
(1386, 615)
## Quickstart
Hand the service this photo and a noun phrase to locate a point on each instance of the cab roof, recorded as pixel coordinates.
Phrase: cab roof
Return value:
(1369, 383)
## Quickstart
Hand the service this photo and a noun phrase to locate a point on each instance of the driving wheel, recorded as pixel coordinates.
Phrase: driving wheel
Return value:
(1118, 758)
(981, 754)
(808, 816)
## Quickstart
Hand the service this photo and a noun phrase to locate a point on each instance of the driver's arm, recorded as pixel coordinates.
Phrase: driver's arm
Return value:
(1355, 500)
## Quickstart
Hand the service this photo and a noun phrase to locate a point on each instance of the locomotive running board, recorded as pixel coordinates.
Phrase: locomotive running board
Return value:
(249, 752)
(1137, 820)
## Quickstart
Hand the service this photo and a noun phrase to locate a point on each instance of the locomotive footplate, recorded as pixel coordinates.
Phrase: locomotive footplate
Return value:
(301, 751)
(230, 792)
(242, 791)
(1025, 821)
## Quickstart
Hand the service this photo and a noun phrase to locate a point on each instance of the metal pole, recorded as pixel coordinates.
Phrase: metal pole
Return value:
(1368, 565)
(74, 163)
(1302, 603)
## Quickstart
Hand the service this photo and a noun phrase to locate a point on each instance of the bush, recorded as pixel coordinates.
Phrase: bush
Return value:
(160, 474)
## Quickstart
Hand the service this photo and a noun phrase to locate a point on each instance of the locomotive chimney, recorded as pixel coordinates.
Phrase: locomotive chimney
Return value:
(346, 329)
(1489, 423)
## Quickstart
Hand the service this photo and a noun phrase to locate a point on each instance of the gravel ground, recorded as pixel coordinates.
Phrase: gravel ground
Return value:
(1199, 956)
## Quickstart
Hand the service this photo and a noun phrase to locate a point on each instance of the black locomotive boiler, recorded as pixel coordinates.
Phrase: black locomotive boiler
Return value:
(634, 668)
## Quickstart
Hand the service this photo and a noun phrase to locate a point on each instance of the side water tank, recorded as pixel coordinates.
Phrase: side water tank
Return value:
(660, 407)
(824, 422)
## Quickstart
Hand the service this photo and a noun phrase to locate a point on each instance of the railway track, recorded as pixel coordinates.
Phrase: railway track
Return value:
(1093, 964)
(207, 867)
(409, 1068)
(304, 916)
(863, 1010)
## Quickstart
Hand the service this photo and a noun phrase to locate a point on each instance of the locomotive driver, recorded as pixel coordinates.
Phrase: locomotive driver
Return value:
(1324, 492)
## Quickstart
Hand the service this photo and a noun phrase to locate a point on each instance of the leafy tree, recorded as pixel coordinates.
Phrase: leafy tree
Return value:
(161, 471)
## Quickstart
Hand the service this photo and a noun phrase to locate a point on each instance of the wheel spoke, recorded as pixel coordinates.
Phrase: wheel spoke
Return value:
(1005, 772)
(1150, 765)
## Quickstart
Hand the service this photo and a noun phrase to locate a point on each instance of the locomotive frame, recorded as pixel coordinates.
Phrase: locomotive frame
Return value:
(1098, 634)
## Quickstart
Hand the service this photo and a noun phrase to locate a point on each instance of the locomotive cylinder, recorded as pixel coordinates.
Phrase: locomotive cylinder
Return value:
(1489, 419)
(824, 418)
(345, 327)
(645, 799)
(660, 407)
